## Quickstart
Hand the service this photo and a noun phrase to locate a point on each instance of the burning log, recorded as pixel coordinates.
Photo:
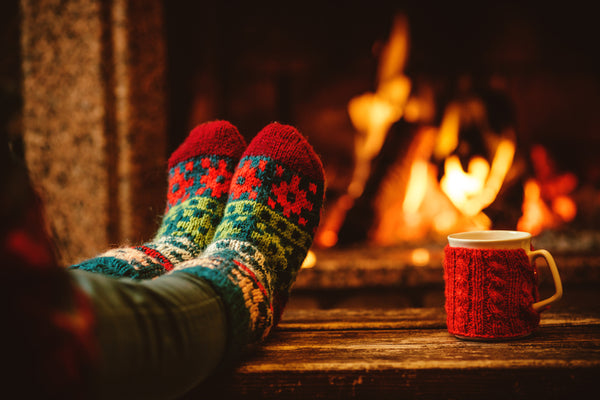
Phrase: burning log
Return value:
(362, 216)
(414, 180)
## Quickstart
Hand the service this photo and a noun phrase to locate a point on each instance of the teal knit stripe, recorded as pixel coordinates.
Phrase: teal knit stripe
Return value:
(246, 299)
(119, 268)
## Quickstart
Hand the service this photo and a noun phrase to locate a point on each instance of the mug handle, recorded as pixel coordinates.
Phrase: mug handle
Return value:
(557, 283)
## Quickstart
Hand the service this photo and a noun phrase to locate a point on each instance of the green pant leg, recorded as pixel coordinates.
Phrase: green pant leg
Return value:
(157, 338)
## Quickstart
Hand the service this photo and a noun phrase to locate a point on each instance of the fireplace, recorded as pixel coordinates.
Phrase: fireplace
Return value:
(428, 119)
(450, 86)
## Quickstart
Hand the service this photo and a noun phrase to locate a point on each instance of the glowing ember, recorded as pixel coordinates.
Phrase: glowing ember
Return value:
(420, 256)
(546, 202)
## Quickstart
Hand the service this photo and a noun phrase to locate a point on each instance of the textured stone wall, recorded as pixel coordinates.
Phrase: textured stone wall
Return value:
(94, 119)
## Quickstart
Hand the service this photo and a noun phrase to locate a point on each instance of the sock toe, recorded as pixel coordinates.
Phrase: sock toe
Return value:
(219, 138)
(284, 144)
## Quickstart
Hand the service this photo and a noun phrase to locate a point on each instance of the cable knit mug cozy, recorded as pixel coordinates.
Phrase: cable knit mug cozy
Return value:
(491, 285)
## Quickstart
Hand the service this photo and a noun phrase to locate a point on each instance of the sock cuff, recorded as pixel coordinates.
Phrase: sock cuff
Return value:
(118, 268)
(247, 303)
(287, 146)
(219, 138)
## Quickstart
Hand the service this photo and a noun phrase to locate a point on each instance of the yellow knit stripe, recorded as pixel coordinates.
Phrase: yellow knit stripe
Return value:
(253, 300)
(190, 216)
(245, 209)
(277, 244)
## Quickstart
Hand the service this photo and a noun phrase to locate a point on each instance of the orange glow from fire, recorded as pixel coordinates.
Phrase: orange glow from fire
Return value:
(420, 256)
(310, 260)
(413, 203)
(535, 211)
(547, 202)
(473, 190)
(448, 133)
(417, 187)
(565, 208)
(372, 114)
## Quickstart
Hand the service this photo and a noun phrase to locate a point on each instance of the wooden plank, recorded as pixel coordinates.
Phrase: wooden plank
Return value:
(353, 350)
(406, 384)
(409, 318)
(343, 319)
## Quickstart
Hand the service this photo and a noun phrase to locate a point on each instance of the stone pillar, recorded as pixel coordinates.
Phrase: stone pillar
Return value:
(94, 119)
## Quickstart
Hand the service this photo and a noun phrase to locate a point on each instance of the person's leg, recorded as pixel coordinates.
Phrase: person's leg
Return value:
(156, 338)
(163, 336)
(200, 172)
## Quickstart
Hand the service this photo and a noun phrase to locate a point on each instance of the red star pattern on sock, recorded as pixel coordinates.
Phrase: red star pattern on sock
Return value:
(284, 192)
(245, 181)
(178, 185)
(216, 179)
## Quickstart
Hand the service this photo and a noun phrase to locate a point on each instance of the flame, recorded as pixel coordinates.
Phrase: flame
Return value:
(416, 188)
(310, 260)
(394, 54)
(565, 208)
(372, 115)
(412, 202)
(546, 198)
(475, 189)
(448, 133)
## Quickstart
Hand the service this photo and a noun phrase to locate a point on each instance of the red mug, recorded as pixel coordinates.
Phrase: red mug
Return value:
(491, 285)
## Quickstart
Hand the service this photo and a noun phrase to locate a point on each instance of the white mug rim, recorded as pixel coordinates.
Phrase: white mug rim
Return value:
(488, 238)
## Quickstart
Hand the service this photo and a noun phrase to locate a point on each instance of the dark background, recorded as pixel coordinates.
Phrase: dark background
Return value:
(254, 62)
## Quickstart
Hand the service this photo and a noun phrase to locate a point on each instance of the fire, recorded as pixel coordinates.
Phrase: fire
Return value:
(473, 190)
(454, 202)
(310, 260)
(429, 193)
(417, 187)
(547, 202)
(372, 114)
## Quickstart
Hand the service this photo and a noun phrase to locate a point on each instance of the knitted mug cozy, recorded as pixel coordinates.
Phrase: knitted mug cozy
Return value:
(489, 293)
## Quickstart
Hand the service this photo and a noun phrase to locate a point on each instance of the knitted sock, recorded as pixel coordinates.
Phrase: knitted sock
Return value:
(269, 223)
(200, 173)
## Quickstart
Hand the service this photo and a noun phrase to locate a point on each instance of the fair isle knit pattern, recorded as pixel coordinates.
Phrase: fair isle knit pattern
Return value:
(200, 173)
(267, 229)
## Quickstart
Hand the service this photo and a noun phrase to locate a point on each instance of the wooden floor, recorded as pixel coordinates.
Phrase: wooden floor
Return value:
(408, 353)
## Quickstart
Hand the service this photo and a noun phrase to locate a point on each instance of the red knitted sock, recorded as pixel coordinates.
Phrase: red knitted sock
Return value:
(267, 227)
(489, 292)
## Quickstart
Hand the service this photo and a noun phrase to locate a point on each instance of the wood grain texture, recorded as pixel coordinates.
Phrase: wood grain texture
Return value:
(408, 353)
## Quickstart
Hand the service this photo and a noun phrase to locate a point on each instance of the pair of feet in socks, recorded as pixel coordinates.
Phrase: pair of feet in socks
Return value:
(241, 217)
